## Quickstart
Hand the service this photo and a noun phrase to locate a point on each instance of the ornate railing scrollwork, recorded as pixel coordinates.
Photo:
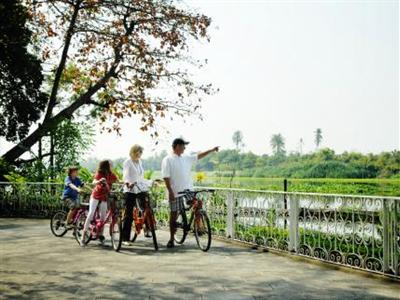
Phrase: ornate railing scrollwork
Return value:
(358, 231)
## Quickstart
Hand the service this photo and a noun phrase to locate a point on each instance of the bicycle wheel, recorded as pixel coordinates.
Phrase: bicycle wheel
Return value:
(79, 225)
(58, 223)
(202, 231)
(150, 224)
(116, 234)
(133, 239)
(181, 225)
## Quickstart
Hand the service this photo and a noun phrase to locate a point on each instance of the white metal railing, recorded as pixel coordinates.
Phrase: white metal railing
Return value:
(351, 230)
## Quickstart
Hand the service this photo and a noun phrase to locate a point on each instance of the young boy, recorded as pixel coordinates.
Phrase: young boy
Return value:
(72, 185)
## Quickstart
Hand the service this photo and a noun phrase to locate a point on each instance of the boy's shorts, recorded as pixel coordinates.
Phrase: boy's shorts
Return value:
(72, 203)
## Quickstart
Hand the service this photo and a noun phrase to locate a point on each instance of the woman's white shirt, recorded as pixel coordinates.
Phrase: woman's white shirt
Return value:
(133, 172)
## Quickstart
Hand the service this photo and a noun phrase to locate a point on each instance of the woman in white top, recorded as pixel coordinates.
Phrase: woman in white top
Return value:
(135, 187)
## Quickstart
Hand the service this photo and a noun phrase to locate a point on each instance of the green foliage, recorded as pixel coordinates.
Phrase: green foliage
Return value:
(324, 163)
(278, 144)
(85, 175)
(318, 137)
(5, 168)
(237, 139)
(379, 187)
(21, 99)
(148, 174)
(117, 170)
(72, 140)
(15, 177)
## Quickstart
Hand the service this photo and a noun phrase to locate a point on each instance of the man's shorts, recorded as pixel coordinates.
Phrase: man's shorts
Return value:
(177, 204)
(72, 203)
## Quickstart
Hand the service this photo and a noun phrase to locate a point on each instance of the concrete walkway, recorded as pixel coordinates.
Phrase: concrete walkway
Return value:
(36, 265)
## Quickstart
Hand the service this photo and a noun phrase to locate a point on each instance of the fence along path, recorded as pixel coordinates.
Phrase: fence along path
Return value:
(357, 231)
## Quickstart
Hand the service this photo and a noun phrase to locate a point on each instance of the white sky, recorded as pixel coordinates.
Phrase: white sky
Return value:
(290, 67)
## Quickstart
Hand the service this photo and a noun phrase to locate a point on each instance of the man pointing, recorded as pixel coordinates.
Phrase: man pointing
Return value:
(176, 171)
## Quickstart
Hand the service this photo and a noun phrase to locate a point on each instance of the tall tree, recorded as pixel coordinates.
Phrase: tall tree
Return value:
(301, 145)
(21, 101)
(277, 143)
(237, 139)
(234, 165)
(318, 137)
(118, 57)
(72, 140)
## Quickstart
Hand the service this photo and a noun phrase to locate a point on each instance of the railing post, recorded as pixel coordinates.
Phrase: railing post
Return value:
(230, 228)
(293, 224)
(386, 238)
(285, 202)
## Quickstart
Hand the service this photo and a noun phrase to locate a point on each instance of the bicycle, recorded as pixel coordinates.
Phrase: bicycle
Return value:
(58, 222)
(143, 216)
(198, 217)
(97, 225)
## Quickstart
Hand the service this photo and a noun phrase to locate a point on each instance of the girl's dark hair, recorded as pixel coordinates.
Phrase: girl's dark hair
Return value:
(72, 169)
(104, 167)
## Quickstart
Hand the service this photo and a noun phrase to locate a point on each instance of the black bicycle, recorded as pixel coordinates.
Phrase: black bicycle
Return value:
(198, 219)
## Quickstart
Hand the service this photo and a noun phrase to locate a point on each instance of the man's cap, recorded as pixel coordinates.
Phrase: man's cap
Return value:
(179, 141)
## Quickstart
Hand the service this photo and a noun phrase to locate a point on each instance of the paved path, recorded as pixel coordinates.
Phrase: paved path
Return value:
(36, 265)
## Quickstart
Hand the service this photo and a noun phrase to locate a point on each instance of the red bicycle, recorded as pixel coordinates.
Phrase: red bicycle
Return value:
(97, 225)
(198, 217)
(143, 218)
(58, 222)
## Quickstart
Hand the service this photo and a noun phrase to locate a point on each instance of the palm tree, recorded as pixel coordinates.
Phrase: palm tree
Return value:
(278, 144)
(237, 139)
(318, 137)
(301, 145)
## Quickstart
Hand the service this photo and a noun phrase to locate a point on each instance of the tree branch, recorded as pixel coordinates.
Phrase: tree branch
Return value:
(61, 66)
(25, 161)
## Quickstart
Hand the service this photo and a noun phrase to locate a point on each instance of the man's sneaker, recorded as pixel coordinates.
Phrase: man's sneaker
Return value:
(102, 239)
(126, 243)
(170, 244)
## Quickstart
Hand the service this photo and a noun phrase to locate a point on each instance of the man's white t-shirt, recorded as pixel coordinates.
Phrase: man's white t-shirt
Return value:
(178, 170)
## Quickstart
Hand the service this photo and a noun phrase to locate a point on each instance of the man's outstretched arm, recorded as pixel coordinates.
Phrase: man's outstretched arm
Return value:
(205, 153)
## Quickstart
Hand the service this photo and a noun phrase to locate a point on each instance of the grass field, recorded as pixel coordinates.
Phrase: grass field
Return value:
(382, 187)
(374, 186)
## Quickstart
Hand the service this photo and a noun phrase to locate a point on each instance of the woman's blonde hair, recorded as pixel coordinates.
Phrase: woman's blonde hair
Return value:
(135, 150)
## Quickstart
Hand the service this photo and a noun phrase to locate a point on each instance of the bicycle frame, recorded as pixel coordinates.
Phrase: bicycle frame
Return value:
(78, 213)
(195, 208)
(139, 221)
(98, 225)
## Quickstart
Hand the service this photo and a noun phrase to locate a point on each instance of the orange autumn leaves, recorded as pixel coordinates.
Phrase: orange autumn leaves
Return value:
(129, 51)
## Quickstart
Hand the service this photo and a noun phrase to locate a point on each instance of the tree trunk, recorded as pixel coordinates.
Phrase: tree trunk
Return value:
(48, 125)
(40, 157)
(61, 66)
(52, 155)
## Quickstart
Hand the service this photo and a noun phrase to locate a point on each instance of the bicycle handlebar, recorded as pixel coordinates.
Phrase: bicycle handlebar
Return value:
(194, 193)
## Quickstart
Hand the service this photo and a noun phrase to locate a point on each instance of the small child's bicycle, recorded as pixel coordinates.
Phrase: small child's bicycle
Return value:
(97, 225)
(198, 217)
(58, 222)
